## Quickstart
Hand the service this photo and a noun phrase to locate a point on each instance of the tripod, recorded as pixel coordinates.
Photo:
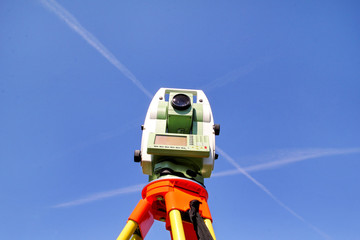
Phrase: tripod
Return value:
(168, 200)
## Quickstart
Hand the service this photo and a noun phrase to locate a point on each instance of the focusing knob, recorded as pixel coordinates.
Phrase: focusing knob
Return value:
(217, 129)
(137, 156)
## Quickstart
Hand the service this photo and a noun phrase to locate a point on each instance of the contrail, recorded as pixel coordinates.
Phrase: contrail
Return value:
(101, 195)
(71, 21)
(293, 157)
(236, 74)
(262, 187)
(231, 76)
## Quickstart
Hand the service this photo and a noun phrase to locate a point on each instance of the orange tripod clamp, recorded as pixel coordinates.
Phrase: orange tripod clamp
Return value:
(164, 200)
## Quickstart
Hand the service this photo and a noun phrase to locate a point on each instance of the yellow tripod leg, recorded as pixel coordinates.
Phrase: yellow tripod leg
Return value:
(177, 228)
(128, 230)
(210, 227)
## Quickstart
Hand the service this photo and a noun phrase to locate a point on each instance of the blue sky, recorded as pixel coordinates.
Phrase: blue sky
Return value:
(282, 78)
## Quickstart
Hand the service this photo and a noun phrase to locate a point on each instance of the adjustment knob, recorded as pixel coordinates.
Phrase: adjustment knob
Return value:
(217, 129)
(137, 156)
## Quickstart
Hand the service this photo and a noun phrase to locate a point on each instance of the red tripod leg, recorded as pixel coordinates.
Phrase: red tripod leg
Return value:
(141, 218)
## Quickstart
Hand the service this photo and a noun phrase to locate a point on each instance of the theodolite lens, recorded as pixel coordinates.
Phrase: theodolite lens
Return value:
(181, 102)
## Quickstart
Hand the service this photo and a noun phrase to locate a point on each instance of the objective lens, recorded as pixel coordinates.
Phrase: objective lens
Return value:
(181, 101)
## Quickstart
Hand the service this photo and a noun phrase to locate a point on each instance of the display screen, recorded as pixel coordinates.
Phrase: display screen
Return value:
(171, 140)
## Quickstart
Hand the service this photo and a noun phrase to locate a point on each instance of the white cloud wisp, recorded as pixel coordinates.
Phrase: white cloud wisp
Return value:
(101, 195)
(296, 156)
(72, 22)
(292, 157)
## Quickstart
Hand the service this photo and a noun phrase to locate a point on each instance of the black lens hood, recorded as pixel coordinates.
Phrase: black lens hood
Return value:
(181, 101)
